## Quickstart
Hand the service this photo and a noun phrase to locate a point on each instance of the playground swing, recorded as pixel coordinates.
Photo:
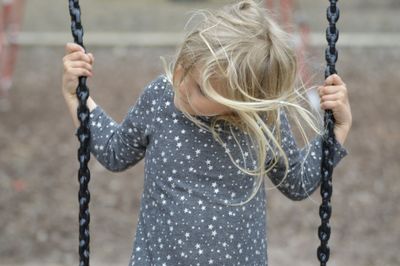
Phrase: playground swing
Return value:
(83, 134)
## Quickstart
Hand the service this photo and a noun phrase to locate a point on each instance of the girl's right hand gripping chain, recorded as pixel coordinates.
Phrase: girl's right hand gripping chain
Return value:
(76, 63)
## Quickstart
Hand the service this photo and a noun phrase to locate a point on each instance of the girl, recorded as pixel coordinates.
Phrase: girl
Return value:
(210, 130)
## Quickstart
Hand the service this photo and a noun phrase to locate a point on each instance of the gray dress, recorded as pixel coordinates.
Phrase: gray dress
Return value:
(189, 178)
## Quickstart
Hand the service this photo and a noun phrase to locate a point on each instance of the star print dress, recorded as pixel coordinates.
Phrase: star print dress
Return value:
(189, 178)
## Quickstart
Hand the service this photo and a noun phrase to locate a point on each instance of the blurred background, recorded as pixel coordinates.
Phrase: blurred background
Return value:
(38, 162)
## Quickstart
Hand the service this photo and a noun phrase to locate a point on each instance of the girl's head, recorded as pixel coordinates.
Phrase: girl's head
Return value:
(237, 65)
(190, 98)
(237, 53)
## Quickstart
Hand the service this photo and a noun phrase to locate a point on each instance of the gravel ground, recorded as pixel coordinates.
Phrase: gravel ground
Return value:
(38, 186)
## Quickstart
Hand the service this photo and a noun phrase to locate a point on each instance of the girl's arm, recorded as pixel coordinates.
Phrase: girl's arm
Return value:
(304, 173)
(115, 146)
(305, 164)
(118, 146)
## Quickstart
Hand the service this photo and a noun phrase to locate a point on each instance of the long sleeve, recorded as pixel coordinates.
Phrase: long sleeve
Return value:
(304, 173)
(119, 146)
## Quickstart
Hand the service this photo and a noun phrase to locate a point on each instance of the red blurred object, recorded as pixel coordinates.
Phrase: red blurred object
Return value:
(18, 185)
(11, 13)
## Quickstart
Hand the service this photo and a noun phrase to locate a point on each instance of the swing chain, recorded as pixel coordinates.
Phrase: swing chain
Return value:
(83, 134)
(332, 36)
(325, 210)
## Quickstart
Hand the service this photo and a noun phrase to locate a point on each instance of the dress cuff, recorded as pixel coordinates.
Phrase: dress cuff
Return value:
(339, 152)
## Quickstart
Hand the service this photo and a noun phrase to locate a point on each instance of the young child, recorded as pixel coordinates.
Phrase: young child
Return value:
(210, 130)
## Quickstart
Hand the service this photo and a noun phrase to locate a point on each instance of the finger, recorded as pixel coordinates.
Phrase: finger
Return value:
(78, 56)
(79, 72)
(79, 64)
(333, 79)
(329, 105)
(91, 57)
(73, 47)
(328, 90)
(330, 97)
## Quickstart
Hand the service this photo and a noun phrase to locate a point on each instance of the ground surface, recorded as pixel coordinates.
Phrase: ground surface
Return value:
(38, 186)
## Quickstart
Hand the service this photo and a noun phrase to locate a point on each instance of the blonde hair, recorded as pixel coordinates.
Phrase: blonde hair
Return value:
(243, 47)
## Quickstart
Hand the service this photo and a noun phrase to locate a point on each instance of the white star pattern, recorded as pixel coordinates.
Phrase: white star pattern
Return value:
(189, 180)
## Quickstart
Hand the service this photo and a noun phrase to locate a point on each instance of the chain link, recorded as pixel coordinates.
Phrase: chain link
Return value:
(83, 135)
(325, 210)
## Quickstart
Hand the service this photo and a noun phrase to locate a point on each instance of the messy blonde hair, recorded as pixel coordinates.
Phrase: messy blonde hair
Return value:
(244, 48)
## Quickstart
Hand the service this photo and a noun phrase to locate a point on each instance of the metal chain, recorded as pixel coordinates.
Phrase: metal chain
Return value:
(83, 135)
(325, 210)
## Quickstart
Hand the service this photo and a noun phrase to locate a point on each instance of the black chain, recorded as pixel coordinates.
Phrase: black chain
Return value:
(325, 210)
(83, 135)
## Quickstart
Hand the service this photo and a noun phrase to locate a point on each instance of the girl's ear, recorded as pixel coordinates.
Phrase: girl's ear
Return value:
(178, 74)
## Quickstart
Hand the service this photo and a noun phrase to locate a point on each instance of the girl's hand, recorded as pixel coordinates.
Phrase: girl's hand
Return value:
(76, 63)
(334, 96)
